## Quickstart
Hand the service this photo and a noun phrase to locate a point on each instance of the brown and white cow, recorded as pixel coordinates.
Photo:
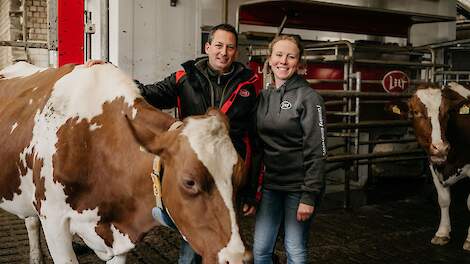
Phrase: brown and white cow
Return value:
(77, 148)
(441, 121)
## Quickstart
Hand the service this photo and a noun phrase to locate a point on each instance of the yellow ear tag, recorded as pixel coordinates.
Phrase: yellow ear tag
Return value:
(396, 110)
(464, 110)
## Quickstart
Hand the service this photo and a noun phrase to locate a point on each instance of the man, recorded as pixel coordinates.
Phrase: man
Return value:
(212, 81)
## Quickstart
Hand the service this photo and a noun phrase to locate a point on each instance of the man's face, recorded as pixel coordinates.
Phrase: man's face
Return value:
(222, 51)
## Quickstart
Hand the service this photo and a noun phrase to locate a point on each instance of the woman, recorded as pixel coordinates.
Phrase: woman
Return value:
(290, 124)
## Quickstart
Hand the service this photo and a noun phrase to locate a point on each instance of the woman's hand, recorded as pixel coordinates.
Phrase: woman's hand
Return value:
(249, 210)
(304, 212)
(93, 62)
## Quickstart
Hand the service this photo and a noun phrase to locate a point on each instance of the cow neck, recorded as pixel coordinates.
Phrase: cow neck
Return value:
(156, 175)
(157, 179)
(438, 174)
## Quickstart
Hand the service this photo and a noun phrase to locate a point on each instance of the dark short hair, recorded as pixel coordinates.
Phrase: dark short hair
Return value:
(224, 27)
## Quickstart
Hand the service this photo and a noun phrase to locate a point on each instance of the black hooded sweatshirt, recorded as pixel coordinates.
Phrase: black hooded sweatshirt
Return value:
(291, 129)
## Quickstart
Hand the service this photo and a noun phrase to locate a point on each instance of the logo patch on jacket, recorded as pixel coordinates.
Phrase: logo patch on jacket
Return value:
(244, 93)
(286, 105)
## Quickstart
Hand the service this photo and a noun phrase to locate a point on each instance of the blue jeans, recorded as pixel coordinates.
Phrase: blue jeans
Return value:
(276, 207)
(187, 254)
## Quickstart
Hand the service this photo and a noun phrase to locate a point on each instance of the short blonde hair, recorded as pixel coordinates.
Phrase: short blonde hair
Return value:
(291, 38)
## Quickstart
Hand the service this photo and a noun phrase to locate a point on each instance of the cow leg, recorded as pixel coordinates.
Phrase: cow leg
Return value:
(442, 235)
(59, 240)
(466, 244)
(32, 226)
(119, 259)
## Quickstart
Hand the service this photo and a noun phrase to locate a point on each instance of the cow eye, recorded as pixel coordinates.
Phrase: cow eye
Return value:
(190, 186)
(417, 114)
(189, 183)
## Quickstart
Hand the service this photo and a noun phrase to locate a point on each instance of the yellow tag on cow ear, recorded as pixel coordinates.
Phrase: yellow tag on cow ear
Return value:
(396, 109)
(464, 110)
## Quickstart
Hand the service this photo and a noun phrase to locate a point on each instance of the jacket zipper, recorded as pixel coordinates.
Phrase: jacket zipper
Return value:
(223, 90)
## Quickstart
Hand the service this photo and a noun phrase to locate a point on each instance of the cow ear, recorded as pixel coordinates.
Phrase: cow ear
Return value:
(152, 140)
(397, 109)
(221, 116)
(149, 127)
(454, 98)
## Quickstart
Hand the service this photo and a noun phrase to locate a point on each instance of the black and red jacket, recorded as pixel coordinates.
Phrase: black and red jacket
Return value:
(191, 91)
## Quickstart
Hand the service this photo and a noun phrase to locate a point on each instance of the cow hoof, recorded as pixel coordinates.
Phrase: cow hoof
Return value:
(466, 245)
(440, 240)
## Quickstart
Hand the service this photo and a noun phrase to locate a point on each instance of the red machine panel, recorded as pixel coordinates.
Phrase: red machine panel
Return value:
(70, 31)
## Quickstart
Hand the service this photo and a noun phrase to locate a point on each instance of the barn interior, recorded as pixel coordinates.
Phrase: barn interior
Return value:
(360, 55)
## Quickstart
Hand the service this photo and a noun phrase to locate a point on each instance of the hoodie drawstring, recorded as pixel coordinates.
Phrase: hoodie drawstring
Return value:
(281, 95)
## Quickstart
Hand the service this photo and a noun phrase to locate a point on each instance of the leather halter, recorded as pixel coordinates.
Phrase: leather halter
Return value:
(157, 167)
(157, 187)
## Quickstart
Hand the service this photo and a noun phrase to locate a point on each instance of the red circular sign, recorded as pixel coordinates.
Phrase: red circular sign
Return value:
(395, 82)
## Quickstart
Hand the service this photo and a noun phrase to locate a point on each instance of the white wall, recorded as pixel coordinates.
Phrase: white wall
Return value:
(165, 37)
(150, 39)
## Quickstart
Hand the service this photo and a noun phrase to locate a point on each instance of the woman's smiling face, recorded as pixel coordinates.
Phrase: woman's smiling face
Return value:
(284, 60)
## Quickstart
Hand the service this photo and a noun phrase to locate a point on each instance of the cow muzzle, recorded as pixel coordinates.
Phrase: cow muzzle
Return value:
(247, 258)
(438, 152)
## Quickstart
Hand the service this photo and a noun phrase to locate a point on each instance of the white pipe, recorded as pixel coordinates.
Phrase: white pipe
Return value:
(104, 28)
(465, 4)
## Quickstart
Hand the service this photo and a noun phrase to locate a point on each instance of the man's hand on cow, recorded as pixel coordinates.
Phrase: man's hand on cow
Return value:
(93, 62)
(304, 212)
(248, 209)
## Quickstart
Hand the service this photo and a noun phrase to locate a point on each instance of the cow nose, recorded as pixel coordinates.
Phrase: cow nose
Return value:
(441, 148)
(248, 257)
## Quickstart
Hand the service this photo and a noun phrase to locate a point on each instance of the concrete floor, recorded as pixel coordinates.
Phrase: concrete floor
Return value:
(394, 226)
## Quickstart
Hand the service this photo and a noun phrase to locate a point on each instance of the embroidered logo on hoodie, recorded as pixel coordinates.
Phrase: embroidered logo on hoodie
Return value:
(244, 93)
(286, 105)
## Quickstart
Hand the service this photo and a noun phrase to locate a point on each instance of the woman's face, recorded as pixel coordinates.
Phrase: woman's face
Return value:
(284, 59)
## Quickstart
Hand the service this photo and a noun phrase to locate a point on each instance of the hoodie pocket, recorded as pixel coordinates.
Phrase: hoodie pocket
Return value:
(285, 168)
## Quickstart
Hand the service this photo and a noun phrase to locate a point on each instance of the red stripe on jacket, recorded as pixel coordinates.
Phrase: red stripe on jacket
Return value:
(178, 75)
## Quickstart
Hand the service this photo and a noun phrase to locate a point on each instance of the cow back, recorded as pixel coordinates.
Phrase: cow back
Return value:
(22, 98)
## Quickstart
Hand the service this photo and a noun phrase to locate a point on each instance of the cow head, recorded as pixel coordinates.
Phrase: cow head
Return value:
(431, 110)
(429, 114)
(200, 164)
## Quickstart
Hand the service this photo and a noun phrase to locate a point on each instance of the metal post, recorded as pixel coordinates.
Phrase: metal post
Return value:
(52, 35)
(281, 27)
(104, 29)
(23, 29)
(356, 131)
(88, 33)
(348, 171)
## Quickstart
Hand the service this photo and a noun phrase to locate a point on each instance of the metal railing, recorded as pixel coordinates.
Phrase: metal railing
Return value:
(420, 64)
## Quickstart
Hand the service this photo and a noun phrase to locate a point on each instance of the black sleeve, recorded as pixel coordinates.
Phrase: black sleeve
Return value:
(253, 173)
(312, 121)
(162, 94)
